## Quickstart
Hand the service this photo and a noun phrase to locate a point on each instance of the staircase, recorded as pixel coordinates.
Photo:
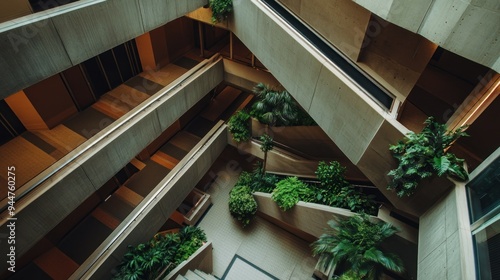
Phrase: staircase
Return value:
(196, 275)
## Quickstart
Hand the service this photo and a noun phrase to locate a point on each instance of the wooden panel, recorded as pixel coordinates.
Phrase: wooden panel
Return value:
(180, 37)
(52, 101)
(56, 264)
(145, 49)
(79, 87)
(14, 9)
(25, 111)
(160, 48)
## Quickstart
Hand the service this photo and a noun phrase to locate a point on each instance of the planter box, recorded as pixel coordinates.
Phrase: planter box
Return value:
(193, 207)
(201, 259)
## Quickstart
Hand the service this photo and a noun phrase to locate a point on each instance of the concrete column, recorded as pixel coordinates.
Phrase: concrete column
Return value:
(445, 241)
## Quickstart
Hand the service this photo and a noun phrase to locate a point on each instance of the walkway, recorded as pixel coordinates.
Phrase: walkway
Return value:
(263, 244)
(34, 151)
(63, 257)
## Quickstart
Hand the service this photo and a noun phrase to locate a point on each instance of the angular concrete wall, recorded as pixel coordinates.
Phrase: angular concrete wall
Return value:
(309, 220)
(445, 240)
(35, 48)
(165, 198)
(357, 125)
(58, 196)
(467, 28)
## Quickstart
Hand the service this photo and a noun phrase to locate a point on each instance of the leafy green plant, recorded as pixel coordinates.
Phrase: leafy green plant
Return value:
(354, 243)
(220, 9)
(337, 192)
(331, 176)
(423, 154)
(146, 260)
(257, 181)
(266, 146)
(289, 191)
(242, 204)
(191, 238)
(239, 126)
(273, 107)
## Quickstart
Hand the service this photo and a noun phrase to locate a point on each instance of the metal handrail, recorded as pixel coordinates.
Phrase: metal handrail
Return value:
(148, 202)
(111, 129)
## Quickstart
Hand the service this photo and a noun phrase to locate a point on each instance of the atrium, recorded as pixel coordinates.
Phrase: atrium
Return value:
(115, 130)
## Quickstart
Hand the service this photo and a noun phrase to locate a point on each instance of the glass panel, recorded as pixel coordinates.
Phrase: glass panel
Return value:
(484, 191)
(487, 246)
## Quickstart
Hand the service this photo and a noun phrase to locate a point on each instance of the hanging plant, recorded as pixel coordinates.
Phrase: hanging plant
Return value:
(424, 154)
(220, 9)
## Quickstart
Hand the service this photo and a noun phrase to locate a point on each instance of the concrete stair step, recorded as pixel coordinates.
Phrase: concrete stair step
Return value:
(180, 277)
(193, 276)
(205, 275)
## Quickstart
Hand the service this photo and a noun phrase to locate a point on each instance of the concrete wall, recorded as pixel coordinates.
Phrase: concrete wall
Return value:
(341, 22)
(157, 207)
(309, 220)
(361, 129)
(445, 240)
(34, 49)
(58, 196)
(202, 260)
(467, 28)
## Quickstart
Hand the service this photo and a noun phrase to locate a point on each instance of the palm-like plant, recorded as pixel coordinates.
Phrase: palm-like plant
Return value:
(355, 244)
(422, 154)
(267, 145)
(274, 107)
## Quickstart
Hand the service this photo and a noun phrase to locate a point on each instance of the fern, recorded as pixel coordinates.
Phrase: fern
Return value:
(423, 154)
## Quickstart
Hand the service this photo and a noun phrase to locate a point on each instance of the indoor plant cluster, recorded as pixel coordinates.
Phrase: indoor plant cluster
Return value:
(421, 155)
(333, 190)
(160, 255)
(353, 246)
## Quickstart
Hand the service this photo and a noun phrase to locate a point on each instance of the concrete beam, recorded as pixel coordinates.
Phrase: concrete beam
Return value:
(467, 28)
(40, 45)
(55, 198)
(360, 128)
(156, 208)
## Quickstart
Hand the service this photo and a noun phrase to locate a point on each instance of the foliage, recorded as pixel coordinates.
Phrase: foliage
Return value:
(289, 191)
(192, 238)
(266, 146)
(267, 143)
(220, 9)
(146, 260)
(245, 179)
(242, 204)
(274, 107)
(239, 126)
(337, 192)
(355, 243)
(258, 181)
(331, 176)
(423, 154)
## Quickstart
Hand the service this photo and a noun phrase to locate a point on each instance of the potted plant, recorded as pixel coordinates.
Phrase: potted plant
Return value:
(421, 155)
(242, 204)
(353, 244)
(220, 9)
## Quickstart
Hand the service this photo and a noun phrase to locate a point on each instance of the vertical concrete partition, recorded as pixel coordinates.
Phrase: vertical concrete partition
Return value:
(92, 164)
(157, 207)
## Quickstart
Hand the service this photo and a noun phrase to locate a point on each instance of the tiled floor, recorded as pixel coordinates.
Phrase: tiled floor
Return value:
(265, 245)
(241, 269)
